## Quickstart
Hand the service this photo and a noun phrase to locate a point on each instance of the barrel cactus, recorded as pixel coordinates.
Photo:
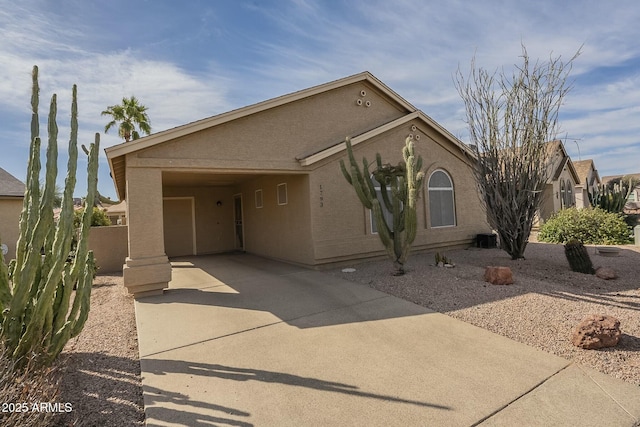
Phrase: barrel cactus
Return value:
(44, 292)
(399, 190)
(578, 257)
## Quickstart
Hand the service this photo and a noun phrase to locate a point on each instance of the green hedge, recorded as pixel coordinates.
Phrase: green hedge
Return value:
(592, 226)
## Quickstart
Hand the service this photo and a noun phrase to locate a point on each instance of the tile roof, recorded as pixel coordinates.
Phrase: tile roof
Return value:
(582, 169)
(10, 186)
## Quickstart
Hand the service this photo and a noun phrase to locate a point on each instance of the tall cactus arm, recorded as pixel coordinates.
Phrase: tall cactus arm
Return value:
(85, 225)
(35, 294)
(346, 174)
(356, 178)
(33, 167)
(384, 232)
(79, 310)
(5, 287)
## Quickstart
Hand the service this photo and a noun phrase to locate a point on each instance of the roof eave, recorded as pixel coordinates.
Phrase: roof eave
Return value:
(177, 132)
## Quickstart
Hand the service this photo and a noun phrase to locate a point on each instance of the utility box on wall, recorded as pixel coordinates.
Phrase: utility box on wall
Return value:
(486, 240)
(636, 233)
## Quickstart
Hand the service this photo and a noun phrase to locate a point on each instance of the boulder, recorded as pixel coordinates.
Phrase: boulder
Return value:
(498, 275)
(597, 331)
(606, 273)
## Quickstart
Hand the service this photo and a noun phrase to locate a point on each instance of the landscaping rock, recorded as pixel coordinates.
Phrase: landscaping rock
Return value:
(597, 331)
(606, 273)
(498, 275)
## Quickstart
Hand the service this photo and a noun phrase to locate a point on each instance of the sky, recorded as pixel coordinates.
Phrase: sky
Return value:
(191, 60)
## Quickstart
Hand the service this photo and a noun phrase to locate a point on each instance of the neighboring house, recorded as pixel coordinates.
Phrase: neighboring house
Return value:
(11, 198)
(589, 182)
(265, 179)
(633, 202)
(117, 213)
(560, 190)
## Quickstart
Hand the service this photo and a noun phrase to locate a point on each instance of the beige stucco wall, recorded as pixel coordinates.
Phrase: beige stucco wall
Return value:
(278, 231)
(273, 138)
(342, 226)
(147, 270)
(10, 209)
(109, 246)
(214, 224)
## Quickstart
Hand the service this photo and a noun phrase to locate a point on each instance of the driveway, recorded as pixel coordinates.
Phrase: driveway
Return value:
(240, 340)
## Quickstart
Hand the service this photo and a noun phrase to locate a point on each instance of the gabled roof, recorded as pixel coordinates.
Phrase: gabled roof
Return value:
(565, 161)
(116, 153)
(10, 186)
(311, 158)
(582, 169)
(157, 138)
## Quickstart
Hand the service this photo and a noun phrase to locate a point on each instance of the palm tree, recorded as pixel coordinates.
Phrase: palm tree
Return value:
(128, 114)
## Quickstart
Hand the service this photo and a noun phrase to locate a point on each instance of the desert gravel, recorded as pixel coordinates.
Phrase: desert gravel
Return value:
(540, 309)
(101, 376)
(547, 300)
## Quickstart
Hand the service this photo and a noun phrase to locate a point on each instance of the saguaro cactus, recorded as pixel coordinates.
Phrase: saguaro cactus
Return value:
(399, 190)
(39, 310)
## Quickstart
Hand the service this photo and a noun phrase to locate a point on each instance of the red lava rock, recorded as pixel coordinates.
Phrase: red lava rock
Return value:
(498, 275)
(597, 331)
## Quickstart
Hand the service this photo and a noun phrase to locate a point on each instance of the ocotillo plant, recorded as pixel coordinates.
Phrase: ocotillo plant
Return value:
(399, 190)
(39, 310)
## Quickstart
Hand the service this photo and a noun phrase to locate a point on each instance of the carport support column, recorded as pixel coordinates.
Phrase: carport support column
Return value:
(147, 270)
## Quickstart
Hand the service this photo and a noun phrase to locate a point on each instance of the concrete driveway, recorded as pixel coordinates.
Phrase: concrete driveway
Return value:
(241, 341)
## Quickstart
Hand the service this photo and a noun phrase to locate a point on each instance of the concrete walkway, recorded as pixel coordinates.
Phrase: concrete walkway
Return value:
(239, 340)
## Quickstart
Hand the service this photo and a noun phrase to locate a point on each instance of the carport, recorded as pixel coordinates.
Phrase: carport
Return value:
(216, 212)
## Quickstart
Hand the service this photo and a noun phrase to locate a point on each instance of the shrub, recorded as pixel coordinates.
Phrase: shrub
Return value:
(99, 218)
(592, 226)
(28, 385)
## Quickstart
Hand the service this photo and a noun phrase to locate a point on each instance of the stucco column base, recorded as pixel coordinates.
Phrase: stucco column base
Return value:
(146, 276)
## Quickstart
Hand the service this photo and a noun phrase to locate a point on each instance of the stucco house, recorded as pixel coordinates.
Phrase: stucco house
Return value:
(11, 198)
(560, 190)
(117, 213)
(589, 182)
(265, 179)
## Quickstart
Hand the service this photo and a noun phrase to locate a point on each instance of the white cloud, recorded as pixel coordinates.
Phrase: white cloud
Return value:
(413, 46)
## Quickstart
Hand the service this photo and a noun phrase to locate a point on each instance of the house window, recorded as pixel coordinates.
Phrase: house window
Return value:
(563, 196)
(282, 194)
(259, 198)
(442, 211)
(570, 200)
(388, 215)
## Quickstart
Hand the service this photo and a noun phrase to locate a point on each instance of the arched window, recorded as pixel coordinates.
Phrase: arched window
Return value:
(442, 211)
(570, 197)
(388, 215)
(563, 196)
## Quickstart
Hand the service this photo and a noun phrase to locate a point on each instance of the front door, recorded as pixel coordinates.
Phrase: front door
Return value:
(237, 216)
(179, 226)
